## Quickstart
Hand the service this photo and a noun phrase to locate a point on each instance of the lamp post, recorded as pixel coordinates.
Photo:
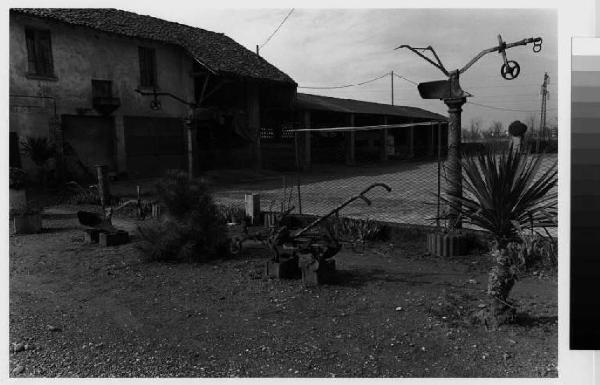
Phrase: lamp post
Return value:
(450, 92)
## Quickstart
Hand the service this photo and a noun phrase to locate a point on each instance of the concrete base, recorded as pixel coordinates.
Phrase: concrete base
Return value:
(446, 245)
(286, 268)
(105, 238)
(27, 224)
(314, 273)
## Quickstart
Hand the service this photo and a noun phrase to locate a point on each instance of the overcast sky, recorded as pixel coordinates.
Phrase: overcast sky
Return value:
(332, 47)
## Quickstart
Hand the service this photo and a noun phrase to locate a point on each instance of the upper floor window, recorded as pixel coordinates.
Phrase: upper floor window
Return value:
(39, 52)
(147, 67)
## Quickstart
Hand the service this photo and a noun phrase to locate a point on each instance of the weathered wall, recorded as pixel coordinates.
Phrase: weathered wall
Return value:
(80, 55)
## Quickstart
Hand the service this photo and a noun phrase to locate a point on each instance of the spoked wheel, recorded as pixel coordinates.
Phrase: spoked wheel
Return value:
(510, 70)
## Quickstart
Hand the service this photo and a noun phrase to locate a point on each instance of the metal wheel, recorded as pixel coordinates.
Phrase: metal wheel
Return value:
(510, 70)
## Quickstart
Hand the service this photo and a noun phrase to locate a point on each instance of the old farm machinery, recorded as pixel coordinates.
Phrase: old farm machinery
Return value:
(307, 252)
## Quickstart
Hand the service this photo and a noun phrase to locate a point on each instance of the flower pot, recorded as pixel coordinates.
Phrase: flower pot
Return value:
(446, 244)
(287, 267)
(17, 198)
(316, 273)
(27, 224)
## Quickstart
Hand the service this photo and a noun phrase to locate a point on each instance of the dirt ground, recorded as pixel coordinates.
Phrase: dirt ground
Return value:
(86, 311)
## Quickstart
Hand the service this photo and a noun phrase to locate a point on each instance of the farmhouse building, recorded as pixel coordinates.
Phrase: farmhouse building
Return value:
(117, 88)
(142, 95)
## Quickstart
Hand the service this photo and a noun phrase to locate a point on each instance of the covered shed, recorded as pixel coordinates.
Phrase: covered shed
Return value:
(357, 131)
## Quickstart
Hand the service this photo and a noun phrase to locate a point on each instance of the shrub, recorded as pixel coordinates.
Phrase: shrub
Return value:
(17, 178)
(232, 213)
(194, 230)
(355, 230)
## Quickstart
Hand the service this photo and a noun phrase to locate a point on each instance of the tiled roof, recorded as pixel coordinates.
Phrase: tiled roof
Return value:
(214, 50)
(326, 103)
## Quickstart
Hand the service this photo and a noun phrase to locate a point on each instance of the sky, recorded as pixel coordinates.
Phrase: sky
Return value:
(334, 47)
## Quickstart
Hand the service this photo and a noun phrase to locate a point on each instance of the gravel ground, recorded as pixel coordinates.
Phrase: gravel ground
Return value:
(83, 311)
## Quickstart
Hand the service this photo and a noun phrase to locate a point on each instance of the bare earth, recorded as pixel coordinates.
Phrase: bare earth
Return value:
(394, 312)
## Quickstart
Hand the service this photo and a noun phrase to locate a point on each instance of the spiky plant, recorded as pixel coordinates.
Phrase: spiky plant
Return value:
(40, 150)
(504, 193)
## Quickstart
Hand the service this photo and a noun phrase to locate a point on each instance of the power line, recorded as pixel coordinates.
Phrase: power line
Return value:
(276, 29)
(346, 85)
(408, 80)
(504, 109)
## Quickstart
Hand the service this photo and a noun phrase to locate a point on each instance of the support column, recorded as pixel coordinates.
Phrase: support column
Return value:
(190, 147)
(350, 144)
(411, 141)
(121, 153)
(253, 108)
(307, 142)
(453, 162)
(56, 135)
(431, 149)
(384, 133)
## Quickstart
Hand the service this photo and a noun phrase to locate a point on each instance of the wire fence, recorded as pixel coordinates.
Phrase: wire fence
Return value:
(413, 199)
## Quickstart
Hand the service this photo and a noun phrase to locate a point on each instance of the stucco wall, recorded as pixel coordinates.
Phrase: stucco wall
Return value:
(80, 55)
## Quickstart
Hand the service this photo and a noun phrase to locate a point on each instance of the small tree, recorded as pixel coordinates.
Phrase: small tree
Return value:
(505, 193)
(194, 230)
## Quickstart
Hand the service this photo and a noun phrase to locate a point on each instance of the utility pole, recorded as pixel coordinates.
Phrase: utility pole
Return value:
(257, 50)
(450, 92)
(544, 92)
(392, 78)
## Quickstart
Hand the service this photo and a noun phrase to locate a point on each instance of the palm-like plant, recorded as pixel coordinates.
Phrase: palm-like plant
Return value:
(40, 150)
(504, 193)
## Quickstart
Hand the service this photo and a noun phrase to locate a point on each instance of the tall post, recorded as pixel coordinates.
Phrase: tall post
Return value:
(411, 141)
(384, 134)
(56, 135)
(190, 148)
(350, 144)
(307, 141)
(103, 186)
(454, 168)
(392, 79)
(253, 107)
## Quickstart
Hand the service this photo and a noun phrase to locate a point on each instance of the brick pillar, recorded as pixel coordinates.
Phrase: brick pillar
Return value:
(253, 108)
(307, 142)
(411, 141)
(384, 133)
(56, 137)
(431, 149)
(350, 144)
(121, 153)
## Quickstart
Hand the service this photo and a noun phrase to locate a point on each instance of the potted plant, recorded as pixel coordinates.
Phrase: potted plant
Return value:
(16, 184)
(503, 193)
(26, 219)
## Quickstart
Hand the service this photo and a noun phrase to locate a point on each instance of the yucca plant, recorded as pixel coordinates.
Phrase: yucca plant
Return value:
(503, 193)
(40, 150)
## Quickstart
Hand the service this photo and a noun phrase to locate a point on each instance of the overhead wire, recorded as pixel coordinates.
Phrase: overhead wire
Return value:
(277, 29)
(345, 85)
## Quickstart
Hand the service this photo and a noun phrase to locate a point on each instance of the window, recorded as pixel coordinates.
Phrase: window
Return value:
(101, 88)
(39, 52)
(147, 67)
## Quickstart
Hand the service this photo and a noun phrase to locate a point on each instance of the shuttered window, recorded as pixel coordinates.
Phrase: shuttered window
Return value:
(39, 52)
(147, 67)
